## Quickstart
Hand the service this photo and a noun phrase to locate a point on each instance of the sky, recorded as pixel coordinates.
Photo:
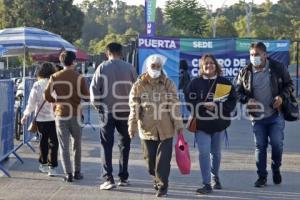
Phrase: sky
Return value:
(215, 3)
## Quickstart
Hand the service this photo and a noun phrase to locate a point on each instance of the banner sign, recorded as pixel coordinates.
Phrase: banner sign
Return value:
(232, 54)
(167, 49)
(150, 12)
(206, 45)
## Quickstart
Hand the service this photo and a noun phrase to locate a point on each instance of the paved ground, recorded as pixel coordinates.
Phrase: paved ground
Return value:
(237, 173)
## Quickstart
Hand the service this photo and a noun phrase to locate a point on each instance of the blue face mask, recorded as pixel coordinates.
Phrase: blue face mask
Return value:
(255, 60)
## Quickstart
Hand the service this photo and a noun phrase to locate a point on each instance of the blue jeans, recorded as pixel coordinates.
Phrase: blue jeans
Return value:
(107, 142)
(209, 146)
(268, 130)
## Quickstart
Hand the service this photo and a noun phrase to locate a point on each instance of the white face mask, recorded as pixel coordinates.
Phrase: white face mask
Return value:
(153, 73)
(255, 60)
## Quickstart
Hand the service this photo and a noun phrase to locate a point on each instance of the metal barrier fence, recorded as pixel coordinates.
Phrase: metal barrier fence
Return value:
(16, 72)
(7, 122)
(27, 136)
(87, 110)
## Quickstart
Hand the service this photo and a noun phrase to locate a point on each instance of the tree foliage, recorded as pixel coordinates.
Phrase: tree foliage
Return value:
(187, 16)
(224, 28)
(103, 18)
(60, 17)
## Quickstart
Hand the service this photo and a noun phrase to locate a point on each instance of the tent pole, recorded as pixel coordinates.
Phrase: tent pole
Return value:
(24, 62)
(297, 72)
(6, 62)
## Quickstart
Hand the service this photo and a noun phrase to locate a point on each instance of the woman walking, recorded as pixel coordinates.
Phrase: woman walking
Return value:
(213, 98)
(45, 120)
(154, 112)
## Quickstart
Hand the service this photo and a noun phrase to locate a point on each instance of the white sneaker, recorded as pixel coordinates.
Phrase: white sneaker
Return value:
(107, 185)
(123, 183)
(52, 171)
(44, 168)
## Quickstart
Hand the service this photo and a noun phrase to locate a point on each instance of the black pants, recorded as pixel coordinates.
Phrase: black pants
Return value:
(158, 155)
(48, 143)
(107, 130)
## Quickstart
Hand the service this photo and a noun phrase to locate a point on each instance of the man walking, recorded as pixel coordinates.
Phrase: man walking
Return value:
(70, 87)
(110, 88)
(263, 85)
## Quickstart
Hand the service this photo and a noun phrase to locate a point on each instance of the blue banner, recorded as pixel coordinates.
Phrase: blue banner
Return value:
(170, 61)
(150, 12)
(232, 54)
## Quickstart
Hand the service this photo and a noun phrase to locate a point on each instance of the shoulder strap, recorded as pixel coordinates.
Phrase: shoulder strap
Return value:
(40, 108)
(210, 89)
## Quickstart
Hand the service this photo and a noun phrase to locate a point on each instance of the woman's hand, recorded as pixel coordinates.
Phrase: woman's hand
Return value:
(210, 106)
(131, 135)
(180, 131)
(23, 120)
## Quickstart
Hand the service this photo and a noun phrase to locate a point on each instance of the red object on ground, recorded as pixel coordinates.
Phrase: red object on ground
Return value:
(182, 155)
(80, 56)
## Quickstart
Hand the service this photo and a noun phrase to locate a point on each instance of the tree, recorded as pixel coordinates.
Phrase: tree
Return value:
(92, 29)
(135, 18)
(187, 16)
(289, 11)
(60, 17)
(99, 47)
(224, 28)
(102, 18)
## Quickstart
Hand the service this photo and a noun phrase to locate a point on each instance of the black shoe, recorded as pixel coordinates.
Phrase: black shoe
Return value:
(162, 193)
(68, 178)
(277, 177)
(261, 182)
(216, 183)
(206, 189)
(78, 175)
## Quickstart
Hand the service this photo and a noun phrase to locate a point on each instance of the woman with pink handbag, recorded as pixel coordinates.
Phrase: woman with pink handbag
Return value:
(213, 98)
(154, 113)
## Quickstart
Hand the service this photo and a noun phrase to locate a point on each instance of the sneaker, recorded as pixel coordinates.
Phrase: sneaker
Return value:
(123, 182)
(162, 193)
(78, 175)
(107, 185)
(68, 178)
(206, 189)
(155, 186)
(261, 182)
(216, 183)
(44, 168)
(277, 177)
(52, 171)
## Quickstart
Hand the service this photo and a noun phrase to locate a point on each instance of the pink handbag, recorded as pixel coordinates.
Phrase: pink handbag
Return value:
(182, 155)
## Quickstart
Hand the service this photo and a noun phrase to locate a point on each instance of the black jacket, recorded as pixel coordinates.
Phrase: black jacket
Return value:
(196, 93)
(184, 80)
(281, 82)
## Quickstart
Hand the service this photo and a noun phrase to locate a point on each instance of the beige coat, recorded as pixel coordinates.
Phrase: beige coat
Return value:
(154, 108)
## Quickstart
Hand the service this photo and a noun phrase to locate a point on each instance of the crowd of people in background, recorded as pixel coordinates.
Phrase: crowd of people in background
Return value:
(149, 106)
